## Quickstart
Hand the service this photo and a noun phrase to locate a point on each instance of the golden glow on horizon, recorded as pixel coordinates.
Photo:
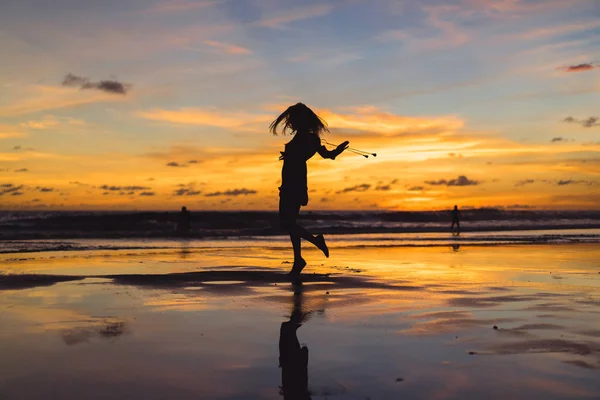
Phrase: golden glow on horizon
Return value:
(418, 165)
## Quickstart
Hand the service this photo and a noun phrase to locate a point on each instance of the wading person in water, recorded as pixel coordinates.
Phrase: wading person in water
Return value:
(455, 220)
(307, 128)
(183, 224)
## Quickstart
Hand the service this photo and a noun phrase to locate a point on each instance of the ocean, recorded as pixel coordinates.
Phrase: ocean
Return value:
(23, 231)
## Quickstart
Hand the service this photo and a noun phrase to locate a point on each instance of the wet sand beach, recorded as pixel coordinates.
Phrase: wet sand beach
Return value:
(221, 322)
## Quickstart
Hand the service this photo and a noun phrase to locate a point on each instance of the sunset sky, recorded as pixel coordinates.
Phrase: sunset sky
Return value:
(151, 105)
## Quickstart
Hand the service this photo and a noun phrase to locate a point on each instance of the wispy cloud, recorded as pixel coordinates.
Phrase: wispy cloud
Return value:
(439, 30)
(524, 182)
(51, 121)
(556, 30)
(559, 182)
(116, 188)
(449, 32)
(325, 57)
(227, 48)
(511, 8)
(36, 98)
(383, 188)
(206, 117)
(298, 14)
(10, 188)
(232, 192)
(586, 123)
(177, 151)
(357, 188)
(177, 164)
(575, 182)
(578, 68)
(558, 139)
(369, 119)
(108, 86)
(42, 124)
(186, 192)
(22, 154)
(373, 119)
(9, 131)
(168, 7)
(460, 181)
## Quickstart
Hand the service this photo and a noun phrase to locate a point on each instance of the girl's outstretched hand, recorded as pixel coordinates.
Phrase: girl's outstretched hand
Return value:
(343, 146)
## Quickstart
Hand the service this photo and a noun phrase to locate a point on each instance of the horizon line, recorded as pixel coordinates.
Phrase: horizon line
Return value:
(497, 208)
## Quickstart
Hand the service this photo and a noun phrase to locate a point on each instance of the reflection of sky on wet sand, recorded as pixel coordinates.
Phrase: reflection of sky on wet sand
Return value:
(96, 339)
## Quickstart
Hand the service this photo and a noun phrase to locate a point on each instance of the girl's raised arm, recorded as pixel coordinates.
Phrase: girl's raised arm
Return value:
(323, 152)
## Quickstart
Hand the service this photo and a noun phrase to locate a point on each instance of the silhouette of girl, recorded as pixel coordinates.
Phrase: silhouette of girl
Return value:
(307, 128)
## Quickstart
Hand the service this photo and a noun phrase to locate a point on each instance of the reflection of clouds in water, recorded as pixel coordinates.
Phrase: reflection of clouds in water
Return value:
(436, 323)
(106, 330)
(492, 301)
(588, 349)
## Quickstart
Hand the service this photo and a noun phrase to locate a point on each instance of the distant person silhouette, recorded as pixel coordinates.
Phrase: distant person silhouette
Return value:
(455, 220)
(293, 359)
(184, 222)
(307, 128)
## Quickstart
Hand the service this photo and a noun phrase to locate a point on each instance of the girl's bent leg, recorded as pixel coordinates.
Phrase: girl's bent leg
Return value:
(317, 240)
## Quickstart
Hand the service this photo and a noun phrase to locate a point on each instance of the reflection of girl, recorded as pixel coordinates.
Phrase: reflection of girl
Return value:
(307, 128)
(293, 361)
(293, 358)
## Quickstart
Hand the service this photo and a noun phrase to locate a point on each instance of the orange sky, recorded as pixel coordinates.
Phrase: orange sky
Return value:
(476, 103)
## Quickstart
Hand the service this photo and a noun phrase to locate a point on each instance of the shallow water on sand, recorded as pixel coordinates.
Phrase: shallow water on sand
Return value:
(386, 323)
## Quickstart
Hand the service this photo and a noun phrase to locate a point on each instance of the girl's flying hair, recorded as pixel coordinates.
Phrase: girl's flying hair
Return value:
(299, 118)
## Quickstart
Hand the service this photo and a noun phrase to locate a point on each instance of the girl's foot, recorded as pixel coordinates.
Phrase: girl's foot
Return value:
(297, 267)
(320, 243)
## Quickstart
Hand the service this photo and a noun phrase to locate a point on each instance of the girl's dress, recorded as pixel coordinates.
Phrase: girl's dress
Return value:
(294, 187)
